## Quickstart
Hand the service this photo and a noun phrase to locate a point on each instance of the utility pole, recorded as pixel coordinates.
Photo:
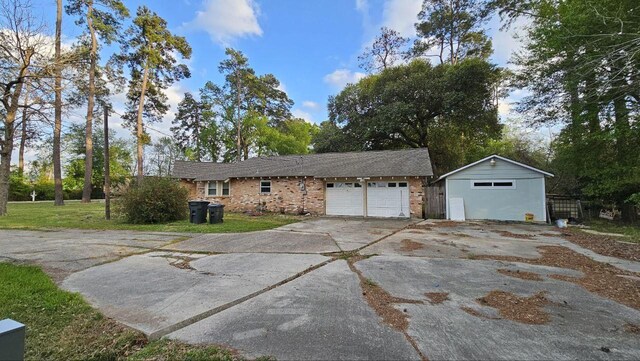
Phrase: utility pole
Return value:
(107, 178)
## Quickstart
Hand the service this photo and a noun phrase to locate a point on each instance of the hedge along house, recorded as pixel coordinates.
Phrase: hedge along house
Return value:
(495, 188)
(365, 184)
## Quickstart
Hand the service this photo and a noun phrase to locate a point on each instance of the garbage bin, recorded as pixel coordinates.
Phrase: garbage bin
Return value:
(216, 213)
(198, 211)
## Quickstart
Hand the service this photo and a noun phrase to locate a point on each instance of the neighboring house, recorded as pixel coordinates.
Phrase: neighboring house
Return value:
(495, 188)
(369, 184)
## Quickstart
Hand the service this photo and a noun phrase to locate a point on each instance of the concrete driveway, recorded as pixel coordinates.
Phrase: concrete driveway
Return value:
(337, 288)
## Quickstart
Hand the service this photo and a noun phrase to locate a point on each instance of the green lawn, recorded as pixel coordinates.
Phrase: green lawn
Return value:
(631, 231)
(62, 326)
(44, 215)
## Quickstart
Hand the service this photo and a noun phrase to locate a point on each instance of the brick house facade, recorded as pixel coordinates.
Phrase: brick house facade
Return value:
(287, 195)
(299, 184)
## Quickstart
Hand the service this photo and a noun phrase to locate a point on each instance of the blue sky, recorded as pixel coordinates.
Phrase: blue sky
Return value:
(310, 46)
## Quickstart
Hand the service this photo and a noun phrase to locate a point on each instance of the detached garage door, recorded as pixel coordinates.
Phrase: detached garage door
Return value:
(345, 199)
(388, 199)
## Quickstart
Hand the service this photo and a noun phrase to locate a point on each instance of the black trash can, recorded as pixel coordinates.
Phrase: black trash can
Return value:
(216, 213)
(198, 211)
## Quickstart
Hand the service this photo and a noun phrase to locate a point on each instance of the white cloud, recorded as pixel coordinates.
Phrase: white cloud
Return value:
(226, 20)
(298, 113)
(507, 42)
(310, 104)
(504, 108)
(341, 77)
(401, 15)
(362, 5)
(282, 88)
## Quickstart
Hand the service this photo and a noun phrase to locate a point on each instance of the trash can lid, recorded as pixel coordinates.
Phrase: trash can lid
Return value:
(199, 202)
(216, 205)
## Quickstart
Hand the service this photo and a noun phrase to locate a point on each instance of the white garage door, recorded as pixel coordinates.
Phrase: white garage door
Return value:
(388, 199)
(345, 199)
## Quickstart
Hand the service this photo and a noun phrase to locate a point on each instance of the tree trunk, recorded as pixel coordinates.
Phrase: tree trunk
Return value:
(23, 127)
(197, 133)
(107, 169)
(139, 124)
(57, 128)
(10, 103)
(238, 121)
(88, 138)
(5, 155)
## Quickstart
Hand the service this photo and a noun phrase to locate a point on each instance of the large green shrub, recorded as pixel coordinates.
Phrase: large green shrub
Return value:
(19, 188)
(155, 200)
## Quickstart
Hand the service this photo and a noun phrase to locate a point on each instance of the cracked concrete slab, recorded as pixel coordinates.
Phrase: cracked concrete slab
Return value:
(321, 315)
(349, 233)
(67, 251)
(466, 239)
(581, 322)
(150, 293)
(263, 241)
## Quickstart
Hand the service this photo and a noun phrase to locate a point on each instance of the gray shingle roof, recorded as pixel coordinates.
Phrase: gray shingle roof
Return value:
(388, 163)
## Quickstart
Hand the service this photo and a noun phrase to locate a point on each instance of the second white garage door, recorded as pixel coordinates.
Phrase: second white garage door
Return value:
(388, 199)
(345, 199)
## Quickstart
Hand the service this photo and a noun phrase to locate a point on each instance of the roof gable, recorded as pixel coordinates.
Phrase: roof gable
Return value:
(495, 156)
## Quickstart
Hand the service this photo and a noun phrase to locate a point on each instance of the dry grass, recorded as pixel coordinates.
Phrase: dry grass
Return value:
(530, 276)
(515, 235)
(604, 245)
(408, 245)
(436, 298)
(599, 278)
(520, 309)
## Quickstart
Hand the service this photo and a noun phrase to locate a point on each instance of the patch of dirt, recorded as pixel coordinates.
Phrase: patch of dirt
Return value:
(436, 298)
(419, 226)
(446, 224)
(382, 303)
(604, 245)
(530, 276)
(515, 235)
(461, 235)
(520, 309)
(415, 231)
(631, 328)
(545, 234)
(409, 245)
(182, 262)
(599, 278)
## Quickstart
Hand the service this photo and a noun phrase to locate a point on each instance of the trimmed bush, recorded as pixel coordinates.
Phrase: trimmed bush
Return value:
(156, 200)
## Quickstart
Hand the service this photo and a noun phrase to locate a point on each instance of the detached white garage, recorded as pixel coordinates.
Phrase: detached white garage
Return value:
(495, 188)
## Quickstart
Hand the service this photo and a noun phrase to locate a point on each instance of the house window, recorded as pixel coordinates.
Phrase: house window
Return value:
(493, 184)
(265, 186)
(226, 190)
(212, 189)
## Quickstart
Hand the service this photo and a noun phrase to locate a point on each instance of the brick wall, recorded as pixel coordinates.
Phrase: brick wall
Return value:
(416, 197)
(191, 187)
(286, 195)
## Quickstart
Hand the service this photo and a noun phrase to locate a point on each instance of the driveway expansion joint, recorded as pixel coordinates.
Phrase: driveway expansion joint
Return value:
(201, 316)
